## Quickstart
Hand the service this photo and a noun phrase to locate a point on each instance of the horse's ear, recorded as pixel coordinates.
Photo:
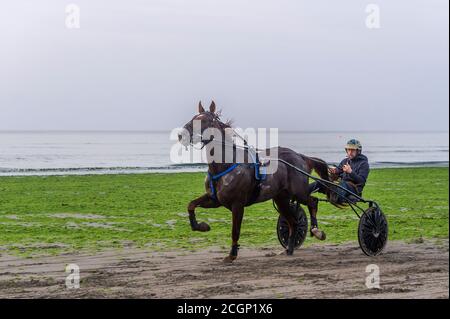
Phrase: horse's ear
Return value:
(200, 107)
(212, 107)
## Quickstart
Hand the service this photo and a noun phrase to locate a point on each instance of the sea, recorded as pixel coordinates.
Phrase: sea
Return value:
(125, 152)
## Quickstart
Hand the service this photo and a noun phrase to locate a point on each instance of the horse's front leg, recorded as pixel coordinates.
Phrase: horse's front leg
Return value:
(313, 206)
(238, 214)
(204, 201)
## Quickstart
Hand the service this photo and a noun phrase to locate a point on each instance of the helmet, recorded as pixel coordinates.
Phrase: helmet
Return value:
(353, 145)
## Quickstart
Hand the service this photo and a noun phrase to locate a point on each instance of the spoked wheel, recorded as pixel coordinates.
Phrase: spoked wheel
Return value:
(372, 231)
(302, 229)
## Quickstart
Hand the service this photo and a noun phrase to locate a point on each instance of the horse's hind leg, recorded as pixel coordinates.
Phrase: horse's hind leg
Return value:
(313, 205)
(204, 201)
(284, 210)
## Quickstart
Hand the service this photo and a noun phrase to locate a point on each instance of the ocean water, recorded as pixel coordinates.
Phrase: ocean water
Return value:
(60, 153)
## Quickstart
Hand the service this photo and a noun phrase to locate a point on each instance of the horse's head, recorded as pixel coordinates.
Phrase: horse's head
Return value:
(193, 130)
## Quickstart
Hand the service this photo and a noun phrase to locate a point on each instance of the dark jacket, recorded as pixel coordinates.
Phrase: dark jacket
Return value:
(360, 171)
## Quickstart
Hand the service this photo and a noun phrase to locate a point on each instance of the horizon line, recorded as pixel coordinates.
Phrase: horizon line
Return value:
(168, 130)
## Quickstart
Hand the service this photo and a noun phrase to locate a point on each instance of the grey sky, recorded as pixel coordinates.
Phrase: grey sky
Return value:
(297, 65)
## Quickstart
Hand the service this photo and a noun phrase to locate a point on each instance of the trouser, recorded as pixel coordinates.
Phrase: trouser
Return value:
(318, 186)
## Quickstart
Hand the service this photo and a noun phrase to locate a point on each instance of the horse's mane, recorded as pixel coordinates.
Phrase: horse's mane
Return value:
(227, 124)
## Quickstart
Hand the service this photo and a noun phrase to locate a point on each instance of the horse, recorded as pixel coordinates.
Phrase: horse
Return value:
(234, 185)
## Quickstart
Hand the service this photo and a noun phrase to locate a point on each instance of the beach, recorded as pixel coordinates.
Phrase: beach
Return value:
(130, 236)
(115, 204)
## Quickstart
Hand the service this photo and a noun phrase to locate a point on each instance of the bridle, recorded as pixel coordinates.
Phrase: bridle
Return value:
(216, 120)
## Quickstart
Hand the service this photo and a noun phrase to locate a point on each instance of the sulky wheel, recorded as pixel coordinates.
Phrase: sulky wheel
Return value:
(302, 229)
(372, 231)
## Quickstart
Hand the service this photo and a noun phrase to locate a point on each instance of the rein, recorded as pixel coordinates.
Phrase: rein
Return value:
(251, 151)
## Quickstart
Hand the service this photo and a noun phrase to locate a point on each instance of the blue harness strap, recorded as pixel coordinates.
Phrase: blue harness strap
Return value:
(258, 175)
(213, 178)
(255, 164)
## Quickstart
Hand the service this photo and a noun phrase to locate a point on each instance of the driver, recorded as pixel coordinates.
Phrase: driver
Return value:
(353, 171)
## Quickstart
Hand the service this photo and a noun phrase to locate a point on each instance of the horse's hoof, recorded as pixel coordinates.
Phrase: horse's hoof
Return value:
(289, 252)
(320, 235)
(203, 227)
(229, 259)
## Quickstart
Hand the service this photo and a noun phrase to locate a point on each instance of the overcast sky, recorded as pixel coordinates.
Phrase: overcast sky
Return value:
(290, 64)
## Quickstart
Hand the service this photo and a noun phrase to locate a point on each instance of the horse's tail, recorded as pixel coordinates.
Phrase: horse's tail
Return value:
(318, 165)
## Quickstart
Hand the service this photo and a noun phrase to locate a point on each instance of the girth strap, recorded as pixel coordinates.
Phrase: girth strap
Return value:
(213, 178)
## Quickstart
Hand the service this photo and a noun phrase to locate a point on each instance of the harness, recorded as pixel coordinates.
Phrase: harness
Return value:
(213, 178)
(255, 164)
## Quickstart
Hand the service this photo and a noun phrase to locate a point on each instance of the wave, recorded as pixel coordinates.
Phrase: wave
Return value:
(428, 150)
(417, 163)
(94, 169)
(187, 167)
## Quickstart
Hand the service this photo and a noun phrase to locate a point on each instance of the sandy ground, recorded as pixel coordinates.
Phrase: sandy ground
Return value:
(319, 271)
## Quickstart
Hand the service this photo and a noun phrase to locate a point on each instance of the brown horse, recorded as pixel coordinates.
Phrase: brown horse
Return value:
(239, 187)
